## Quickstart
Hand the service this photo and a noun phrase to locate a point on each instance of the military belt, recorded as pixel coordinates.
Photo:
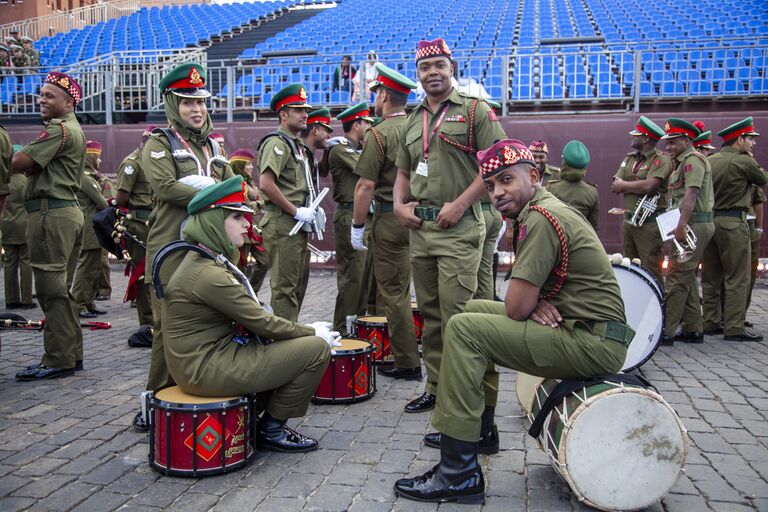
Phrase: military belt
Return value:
(614, 331)
(702, 217)
(430, 213)
(345, 206)
(382, 207)
(46, 203)
(141, 213)
(741, 214)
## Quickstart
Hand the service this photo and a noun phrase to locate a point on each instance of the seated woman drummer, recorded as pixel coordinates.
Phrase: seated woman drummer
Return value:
(220, 341)
(562, 317)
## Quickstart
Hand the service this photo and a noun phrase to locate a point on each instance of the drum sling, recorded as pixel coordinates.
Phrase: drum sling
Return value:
(568, 386)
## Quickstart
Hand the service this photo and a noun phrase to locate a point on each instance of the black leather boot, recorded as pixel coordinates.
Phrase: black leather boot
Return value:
(458, 477)
(489, 434)
(273, 434)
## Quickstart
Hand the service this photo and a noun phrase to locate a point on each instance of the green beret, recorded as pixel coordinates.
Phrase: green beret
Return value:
(359, 111)
(186, 80)
(494, 104)
(675, 127)
(294, 95)
(576, 155)
(229, 194)
(647, 127)
(736, 130)
(17, 148)
(390, 78)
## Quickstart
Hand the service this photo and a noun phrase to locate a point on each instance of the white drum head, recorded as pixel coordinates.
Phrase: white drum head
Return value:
(625, 451)
(644, 308)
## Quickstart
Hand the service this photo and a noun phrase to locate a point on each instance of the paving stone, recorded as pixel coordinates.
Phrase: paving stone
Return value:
(162, 493)
(102, 501)
(331, 498)
(370, 506)
(131, 483)
(281, 504)
(66, 497)
(42, 487)
(297, 485)
(378, 487)
(14, 503)
(195, 502)
(242, 498)
(10, 483)
(349, 474)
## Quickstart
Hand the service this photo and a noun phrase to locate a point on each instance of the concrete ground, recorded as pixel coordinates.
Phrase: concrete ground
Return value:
(67, 444)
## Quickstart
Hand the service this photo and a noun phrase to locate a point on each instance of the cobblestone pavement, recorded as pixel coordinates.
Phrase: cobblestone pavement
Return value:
(67, 443)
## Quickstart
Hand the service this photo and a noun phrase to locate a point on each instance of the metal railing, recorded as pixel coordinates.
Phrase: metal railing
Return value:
(51, 24)
(126, 82)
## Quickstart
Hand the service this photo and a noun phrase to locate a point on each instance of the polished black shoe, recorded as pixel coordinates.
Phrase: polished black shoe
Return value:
(275, 435)
(667, 341)
(748, 324)
(713, 332)
(745, 336)
(458, 477)
(690, 336)
(488, 444)
(13, 305)
(87, 314)
(139, 423)
(390, 370)
(41, 372)
(97, 311)
(29, 305)
(79, 365)
(424, 403)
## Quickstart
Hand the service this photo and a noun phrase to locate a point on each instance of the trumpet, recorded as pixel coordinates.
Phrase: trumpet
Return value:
(643, 209)
(684, 251)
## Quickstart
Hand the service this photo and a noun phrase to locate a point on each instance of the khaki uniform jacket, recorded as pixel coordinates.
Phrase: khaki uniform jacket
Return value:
(580, 194)
(692, 170)
(203, 303)
(275, 156)
(132, 179)
(91, 201)
(169, 197)
(376, 164)
(59, 152)
(342, 159)
(13, 222)
(551, 173)
(638, 166)
(733, 175)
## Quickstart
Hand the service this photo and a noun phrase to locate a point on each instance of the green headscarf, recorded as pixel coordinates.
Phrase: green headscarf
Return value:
(568, 173)
(207, 228)
(238, 167)
(199, 137)
(90, 163)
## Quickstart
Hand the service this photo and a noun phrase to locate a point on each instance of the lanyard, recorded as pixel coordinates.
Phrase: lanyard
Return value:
(427, 141)
(200, 170)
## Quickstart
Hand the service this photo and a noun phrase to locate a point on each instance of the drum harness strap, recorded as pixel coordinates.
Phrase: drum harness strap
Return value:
(242, 335)
(561, 272)
(568, 386)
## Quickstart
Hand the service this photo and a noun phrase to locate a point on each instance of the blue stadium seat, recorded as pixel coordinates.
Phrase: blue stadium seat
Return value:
(730, 87)
(700, 88)
(672, 89)
(759, 86)
(551, 91)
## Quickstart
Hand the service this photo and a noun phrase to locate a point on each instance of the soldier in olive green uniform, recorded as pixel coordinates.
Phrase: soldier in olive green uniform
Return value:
(437, 195)
(540, 152)
(134, 193)
(108, 192)
(690, 188)
(18, 273)
(29, 50)
(727, 256)
(644, 173)
(703, 143)
(89, 263)
(205, 301)
(391, 266)
(353, 276)
(5, 58)
(755, 235)
(18, 58)
(283, 168)
(549, 325)
(53, 164)
(571, 188)
(174, 181)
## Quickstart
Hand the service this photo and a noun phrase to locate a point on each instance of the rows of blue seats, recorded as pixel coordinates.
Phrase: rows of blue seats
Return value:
(13, 85)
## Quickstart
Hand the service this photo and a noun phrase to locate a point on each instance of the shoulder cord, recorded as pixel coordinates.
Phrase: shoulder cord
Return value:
(378, 140)
(470, 147)
(562, 271)
(63, 139)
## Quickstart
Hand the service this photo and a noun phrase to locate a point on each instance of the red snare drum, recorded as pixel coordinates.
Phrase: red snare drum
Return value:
(349, 376)
(222, 439)
(375, 330)
(418, 321)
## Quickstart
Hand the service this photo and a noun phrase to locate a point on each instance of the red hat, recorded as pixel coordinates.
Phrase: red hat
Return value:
(539, 146)
(92, 147)
(218, 137)
(242, 155)
(505, 153)
(67, 83)
(429, 49)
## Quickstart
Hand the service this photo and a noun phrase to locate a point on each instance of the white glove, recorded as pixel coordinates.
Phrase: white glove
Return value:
(323, 330)
(199, 182)
(357, 239)
(304, 214)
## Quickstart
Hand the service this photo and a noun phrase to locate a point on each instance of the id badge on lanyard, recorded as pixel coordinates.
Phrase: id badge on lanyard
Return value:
(422, 168)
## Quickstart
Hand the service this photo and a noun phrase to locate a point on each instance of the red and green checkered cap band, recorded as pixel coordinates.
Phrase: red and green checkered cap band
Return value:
(67, 83)
(749, 129)
(395, 86)
(429, 49)
(539, 146)
(505, 156)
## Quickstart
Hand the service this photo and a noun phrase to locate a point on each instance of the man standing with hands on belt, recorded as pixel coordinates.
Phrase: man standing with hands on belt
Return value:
(436, 195)
(54, 164)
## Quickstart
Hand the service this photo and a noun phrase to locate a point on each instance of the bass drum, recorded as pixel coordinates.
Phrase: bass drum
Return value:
(644, 307)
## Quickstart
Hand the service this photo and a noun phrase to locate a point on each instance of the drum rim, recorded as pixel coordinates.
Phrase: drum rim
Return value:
(649, 279)
(212, 406)
(579, 411)
(360, 320)
(362, 350)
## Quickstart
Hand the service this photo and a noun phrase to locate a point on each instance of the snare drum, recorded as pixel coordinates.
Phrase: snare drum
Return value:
(618, 446)
(375, 330)
(349, 376)
(199, 436)
(418, 321)
(644, 308)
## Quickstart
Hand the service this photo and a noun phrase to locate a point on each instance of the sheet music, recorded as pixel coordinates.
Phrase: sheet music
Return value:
(667, 222)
